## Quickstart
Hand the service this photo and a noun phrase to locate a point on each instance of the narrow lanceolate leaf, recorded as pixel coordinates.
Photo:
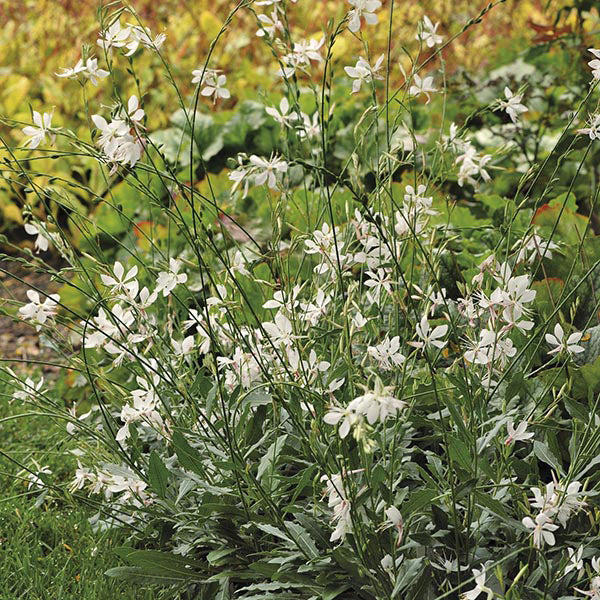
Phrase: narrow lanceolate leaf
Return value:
(544, 454)
(158, 475)
(267, 464)
(189, 458)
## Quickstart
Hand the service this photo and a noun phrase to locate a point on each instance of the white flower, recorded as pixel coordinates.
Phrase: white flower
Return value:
(41, 242)
(570, 345)
(422, 86)
(536, 247)
(213, 81)
(595, 63)
(543, 529)
(394, 516)
(358, 320)
(378, 404)
(143, 35)
(519, 434)
(28, 390)
(41, 129)
(593, 126)
(37, 311)
(268, 169)
(134, 112)
(114, 37)
(387, 353)
(338, 501)
(471, 165)
(512, 105)
(347, 416)
(364, 9)
(283, 116)
(183, 347)
(428, 33)
(575, 560)
(280, 331)
(309, 128)
(429, 336)
(92, 72)
(363, 72)
(73, 72)
(122, 282)
(269, 25)
(594, 591)
(302, 54)
(116, 141)
(35, 479)
(168, 280)
(480, 587)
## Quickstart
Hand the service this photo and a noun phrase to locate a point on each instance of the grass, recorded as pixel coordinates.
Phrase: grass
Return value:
(49, 551)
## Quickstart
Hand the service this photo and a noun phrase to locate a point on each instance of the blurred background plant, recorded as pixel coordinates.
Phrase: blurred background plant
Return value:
(39, 38)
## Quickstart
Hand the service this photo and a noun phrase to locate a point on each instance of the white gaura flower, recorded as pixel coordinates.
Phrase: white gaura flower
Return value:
(270, 25)
(362, 9)
(168, 280)
(519, 434)
(595, 63)
(72, 72)
(534, 247)
(92, 72)
(543, 529)
(114, 37)
(363, 72)
(41, 241)
(344, 418)
(480, 587)
(570, 345)
(377, 404)
(593, 126)
(134, 112)
(34, 477)
(594, 592)
(283, 116)
(268, 169)
(512, 105)
(302, 54)
(28, 390)
(143, 35)
(422, 86)
(387, 354)
(280, 331)
(121, 282)
(428, 33)
(213, 81)
(42, 128)
(359, 321)
(309, 128)
(340, 504)
(183, 347)
(575, 560)
(37, 311)
(428, 336)
(472, 164)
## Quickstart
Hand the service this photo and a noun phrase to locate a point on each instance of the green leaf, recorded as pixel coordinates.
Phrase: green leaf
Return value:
(158, 475)
(460, 454)
(417, 500)
(544, 454)
(189, 458)
(303, 539)
(267, 464)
